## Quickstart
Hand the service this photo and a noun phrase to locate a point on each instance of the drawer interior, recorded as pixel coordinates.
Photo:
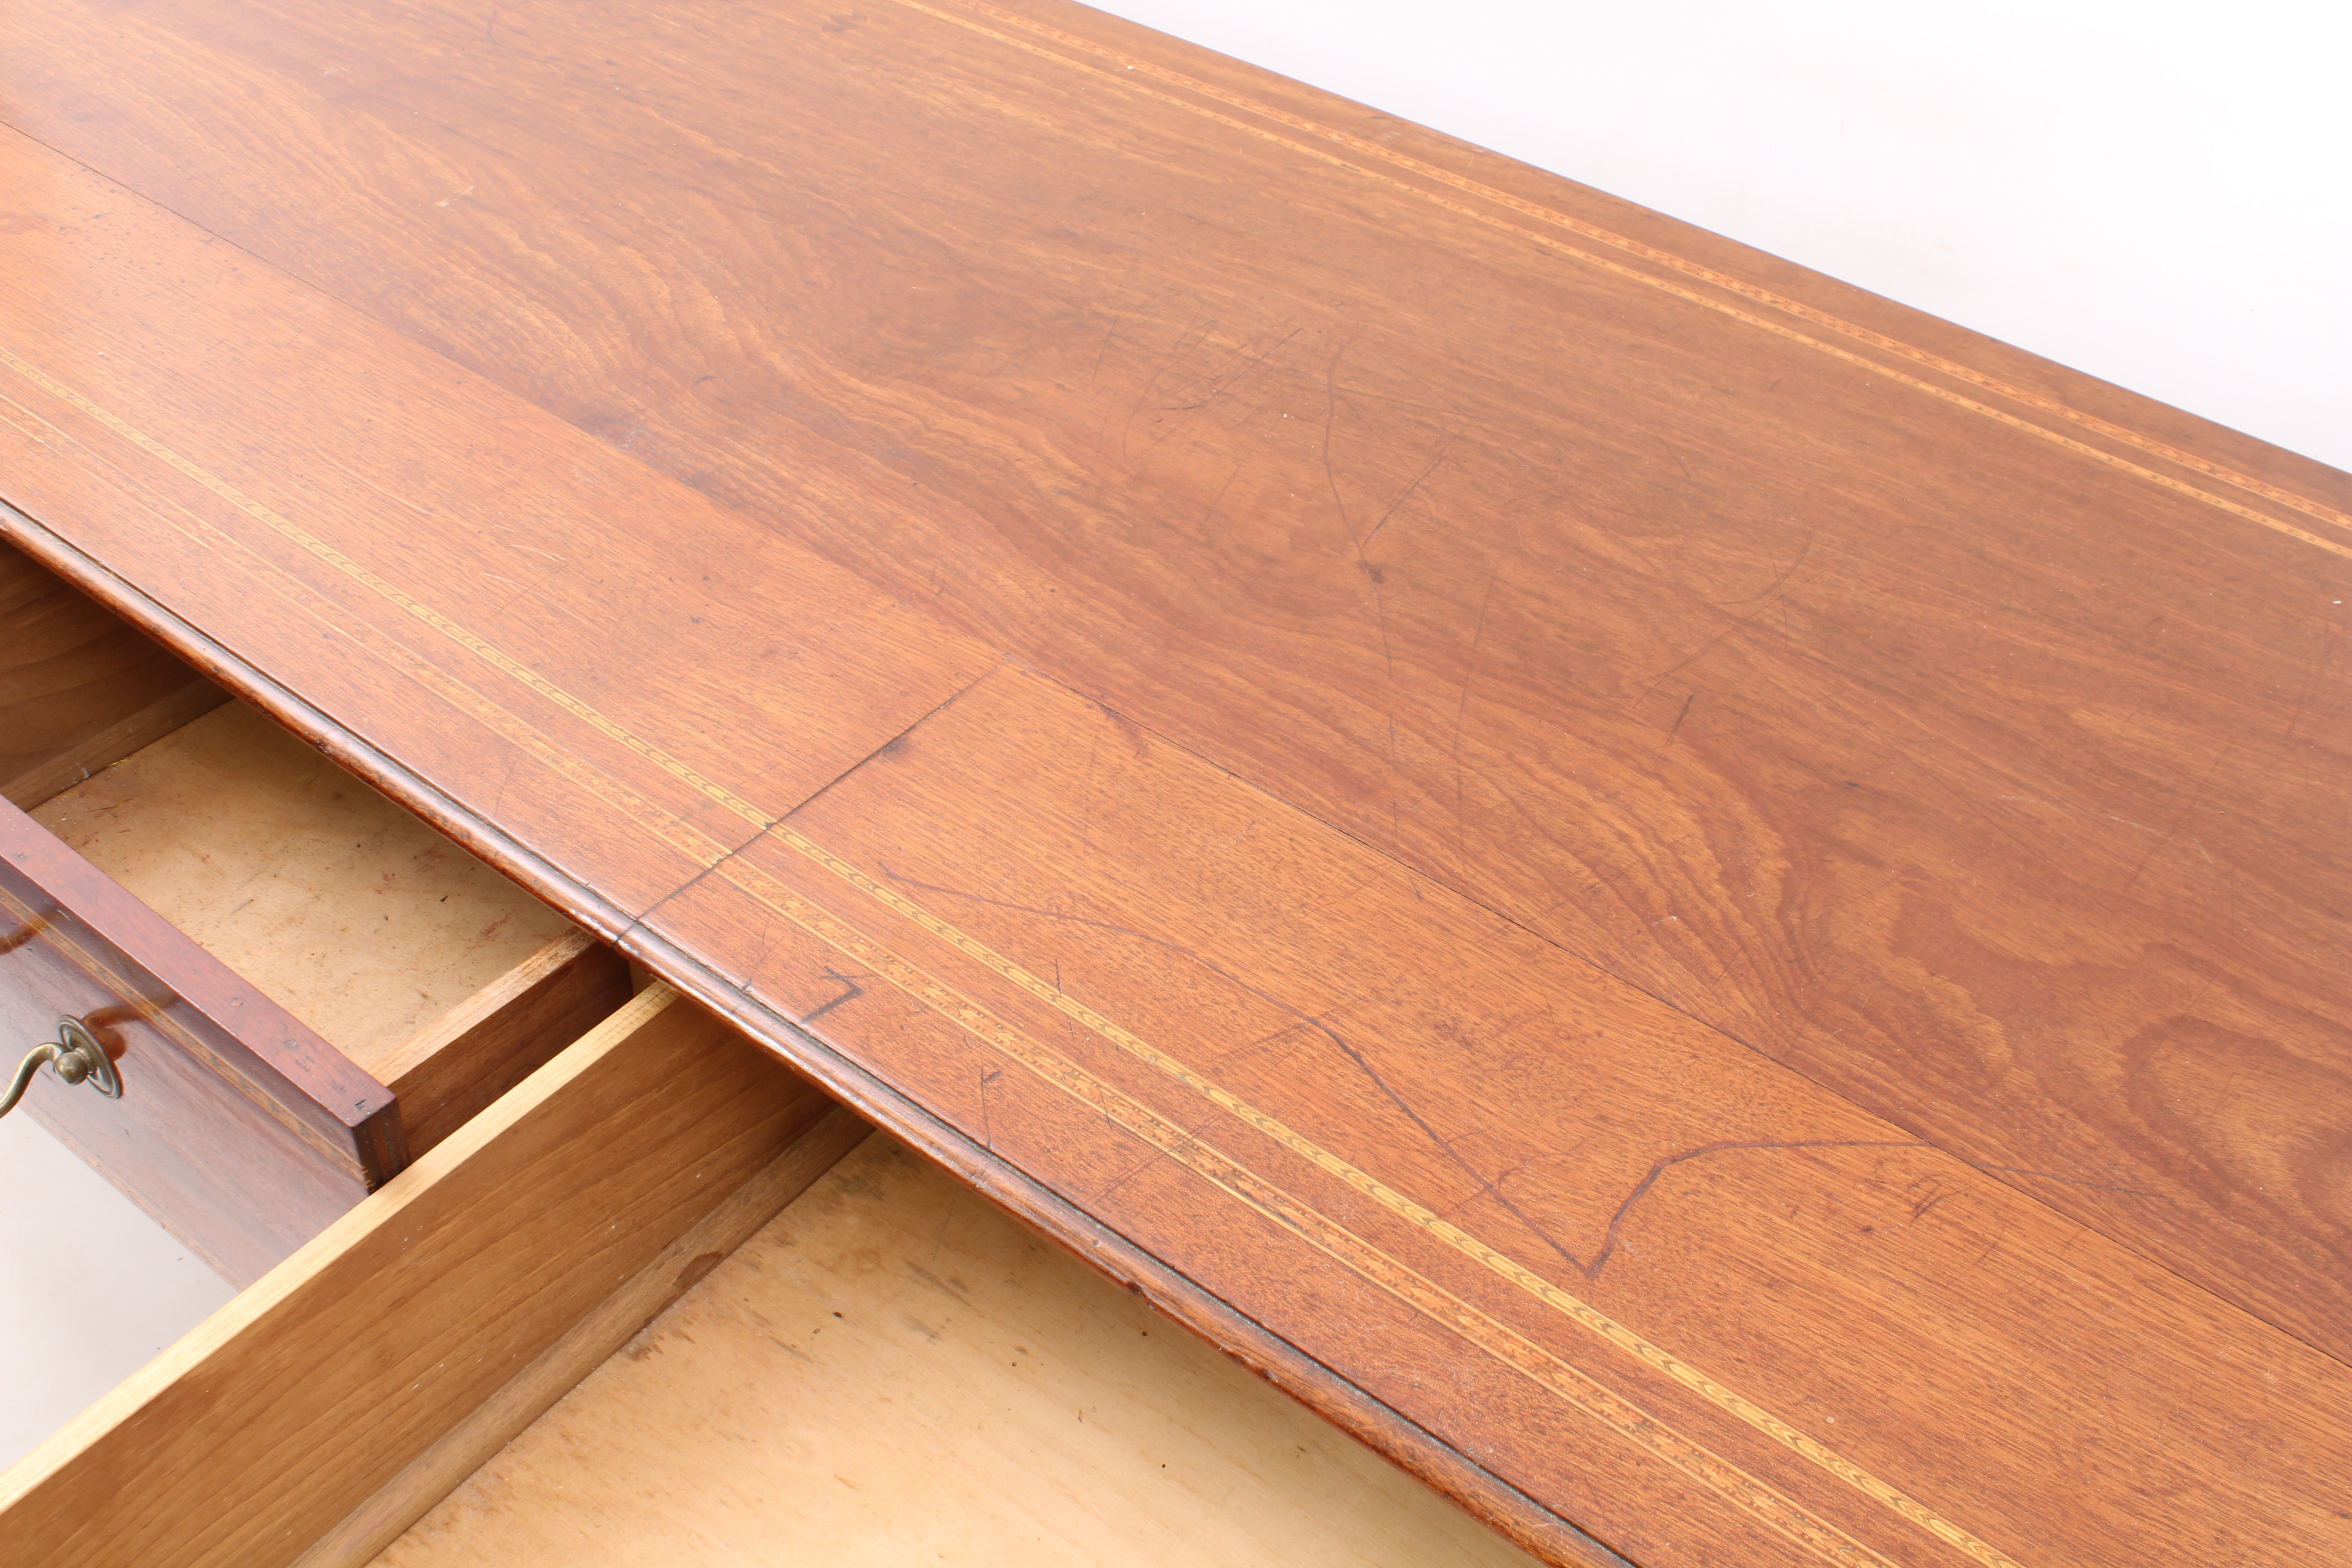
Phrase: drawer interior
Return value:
(352, 913)
(894, 1370)
(371, 1348)
(651, 1300)
(666, 1302)
(295, 951)
(78, 688)
(345, 908)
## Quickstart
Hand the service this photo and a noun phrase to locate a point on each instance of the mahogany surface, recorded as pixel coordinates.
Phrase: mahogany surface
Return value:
(238, 1128)
(620, 423)
(1560, 1225)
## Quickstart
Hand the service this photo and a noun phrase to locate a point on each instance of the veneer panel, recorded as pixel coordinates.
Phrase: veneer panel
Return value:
(1963, 732)
(1693, 1301)
(1919, 769)
(381, 530)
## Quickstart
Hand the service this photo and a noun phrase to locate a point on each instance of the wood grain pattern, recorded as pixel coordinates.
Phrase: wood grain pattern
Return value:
(893, 1371)
(459, 1452)
(259, 1431)
(1784, 677)
(1967, 734)
(78, 688)
(449, 1074)
(1697, 1303)
(381, 530)
(240, 1129)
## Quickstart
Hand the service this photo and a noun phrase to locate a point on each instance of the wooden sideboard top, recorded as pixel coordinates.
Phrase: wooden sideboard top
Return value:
(1710, 909)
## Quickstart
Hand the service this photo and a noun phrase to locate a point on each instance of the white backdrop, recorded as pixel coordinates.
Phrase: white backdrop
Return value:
(2160, 193)
(90, 1287)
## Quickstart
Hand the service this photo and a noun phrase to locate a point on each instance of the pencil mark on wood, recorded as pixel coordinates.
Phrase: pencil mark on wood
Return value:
(2316, 678)
(987, 1119)
(1775, 584)
(2196, 799)
(1137, 741)
(850, 992)
(1409, 489)
(1705, 649)
(1678, 457)
(1461, 709)
(1222, 387)
(1347, 1048)
(1108, 332)
(1191, 338)
(1374, 575)
(1610, 1239)
(1218, 499)
(2053, 1176)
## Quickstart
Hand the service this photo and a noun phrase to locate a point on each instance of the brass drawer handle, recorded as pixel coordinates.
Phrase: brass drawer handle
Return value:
(80, 1059)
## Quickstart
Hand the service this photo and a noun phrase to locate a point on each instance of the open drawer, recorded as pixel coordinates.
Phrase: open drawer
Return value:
(889, 1369)
(298, 986)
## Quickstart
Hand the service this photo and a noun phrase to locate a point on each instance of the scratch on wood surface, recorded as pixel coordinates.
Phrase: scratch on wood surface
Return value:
(1371, 1073)
(1612, 1238)
(1408, 493)
(1461, 709)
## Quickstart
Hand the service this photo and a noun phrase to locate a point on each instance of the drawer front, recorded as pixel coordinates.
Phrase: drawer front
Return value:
(238, 1128)
(622, 1166)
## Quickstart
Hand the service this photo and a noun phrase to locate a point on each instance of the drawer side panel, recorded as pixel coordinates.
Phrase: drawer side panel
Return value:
(274, 1419)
